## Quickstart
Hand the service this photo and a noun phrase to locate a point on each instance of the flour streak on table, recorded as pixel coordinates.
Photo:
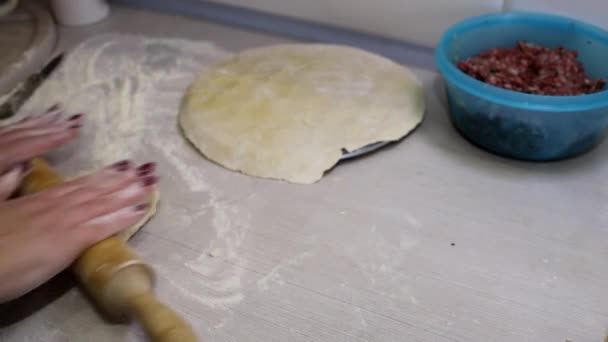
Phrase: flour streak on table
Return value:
(130, 88)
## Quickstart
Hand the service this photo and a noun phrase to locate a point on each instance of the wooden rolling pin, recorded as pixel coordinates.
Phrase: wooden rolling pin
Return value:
(118, 280)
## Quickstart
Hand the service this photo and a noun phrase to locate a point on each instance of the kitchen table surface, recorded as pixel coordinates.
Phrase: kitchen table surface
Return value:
(431, 239)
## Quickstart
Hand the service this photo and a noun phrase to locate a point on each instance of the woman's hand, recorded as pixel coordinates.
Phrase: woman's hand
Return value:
(29, 138)
(43, 233)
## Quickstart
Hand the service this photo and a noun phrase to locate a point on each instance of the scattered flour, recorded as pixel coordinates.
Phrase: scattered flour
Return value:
(413, 221)
(206, 297)
(274, 277)
(130, 88)
(218, 282)
(380, 260)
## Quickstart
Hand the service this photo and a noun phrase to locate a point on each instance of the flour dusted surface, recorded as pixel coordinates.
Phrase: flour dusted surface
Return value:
(129, 88)
(364, 255)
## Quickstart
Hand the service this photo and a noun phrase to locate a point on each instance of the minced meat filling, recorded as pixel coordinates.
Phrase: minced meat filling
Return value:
(532, 69)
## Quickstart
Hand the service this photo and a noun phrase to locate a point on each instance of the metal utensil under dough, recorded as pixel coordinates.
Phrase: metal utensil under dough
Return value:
(364, 150)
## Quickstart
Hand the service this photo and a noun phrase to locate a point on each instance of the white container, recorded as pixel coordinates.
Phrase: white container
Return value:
(79, 12)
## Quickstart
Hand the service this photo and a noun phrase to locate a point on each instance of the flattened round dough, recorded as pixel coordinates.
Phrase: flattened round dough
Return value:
(288, 111)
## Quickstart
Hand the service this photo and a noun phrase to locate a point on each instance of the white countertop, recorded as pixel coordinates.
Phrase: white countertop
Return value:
(431, 239)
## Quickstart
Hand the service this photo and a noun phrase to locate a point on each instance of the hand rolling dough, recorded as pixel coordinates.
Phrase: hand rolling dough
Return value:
(152, 202)
(288, 111)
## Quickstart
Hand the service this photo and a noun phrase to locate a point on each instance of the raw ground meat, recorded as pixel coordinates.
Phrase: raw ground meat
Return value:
(532, 69)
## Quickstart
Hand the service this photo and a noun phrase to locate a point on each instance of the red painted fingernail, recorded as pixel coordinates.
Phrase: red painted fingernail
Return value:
(142, 207)
(75, 117)
(145, 169)
(121, 166)
(149, 181)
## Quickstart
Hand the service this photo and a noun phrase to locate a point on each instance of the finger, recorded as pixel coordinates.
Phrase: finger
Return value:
(72, 193)
(47, 118)
(102, 227)
(41, 120)
(50, 116)
(29, 118)
(43, 127)
(30, 147)
(131, 195)
(106, 180)
(85, 188)
(10, 180)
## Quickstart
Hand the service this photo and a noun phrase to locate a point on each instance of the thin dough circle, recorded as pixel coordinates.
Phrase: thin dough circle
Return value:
(288, 111)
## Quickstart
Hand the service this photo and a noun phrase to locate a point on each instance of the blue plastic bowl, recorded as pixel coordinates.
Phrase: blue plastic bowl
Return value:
(519, 125)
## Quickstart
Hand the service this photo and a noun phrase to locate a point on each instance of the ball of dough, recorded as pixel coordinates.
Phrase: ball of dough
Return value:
(289, 111)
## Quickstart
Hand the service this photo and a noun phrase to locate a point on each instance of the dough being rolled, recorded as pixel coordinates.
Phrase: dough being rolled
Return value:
(288, 111)
(153, 200)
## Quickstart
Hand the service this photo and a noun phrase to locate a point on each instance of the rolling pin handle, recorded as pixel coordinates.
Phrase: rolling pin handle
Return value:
(115, 277)
(160, 322)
